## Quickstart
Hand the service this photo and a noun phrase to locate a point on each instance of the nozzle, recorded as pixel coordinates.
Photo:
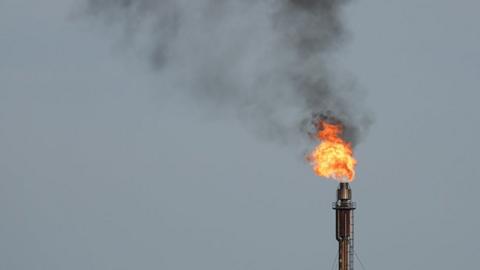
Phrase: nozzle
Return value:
(344, 192)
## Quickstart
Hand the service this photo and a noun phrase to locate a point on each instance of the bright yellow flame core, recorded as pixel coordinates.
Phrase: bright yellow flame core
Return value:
(333, 157)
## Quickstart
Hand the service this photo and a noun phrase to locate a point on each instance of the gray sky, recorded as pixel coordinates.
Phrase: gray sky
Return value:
(98, 170)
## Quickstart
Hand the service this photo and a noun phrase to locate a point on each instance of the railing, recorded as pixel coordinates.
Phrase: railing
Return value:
(344, 205)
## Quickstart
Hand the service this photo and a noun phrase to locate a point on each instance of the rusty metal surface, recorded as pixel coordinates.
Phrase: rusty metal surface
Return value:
(344, 226)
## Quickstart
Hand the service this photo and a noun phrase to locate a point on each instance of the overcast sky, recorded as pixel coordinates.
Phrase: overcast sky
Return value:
(99, 169)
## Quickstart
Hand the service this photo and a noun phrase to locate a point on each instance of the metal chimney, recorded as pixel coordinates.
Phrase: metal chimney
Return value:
(344, 226)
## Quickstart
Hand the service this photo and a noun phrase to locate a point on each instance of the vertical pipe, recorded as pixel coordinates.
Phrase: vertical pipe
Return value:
(344, 226)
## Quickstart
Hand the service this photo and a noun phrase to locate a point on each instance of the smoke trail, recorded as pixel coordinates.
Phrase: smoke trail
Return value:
(269, 60)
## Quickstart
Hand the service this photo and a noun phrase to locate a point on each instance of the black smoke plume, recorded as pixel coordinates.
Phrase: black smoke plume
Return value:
(269, 60)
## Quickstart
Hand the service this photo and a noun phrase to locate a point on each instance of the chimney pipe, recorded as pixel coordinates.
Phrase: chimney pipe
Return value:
(344, 207)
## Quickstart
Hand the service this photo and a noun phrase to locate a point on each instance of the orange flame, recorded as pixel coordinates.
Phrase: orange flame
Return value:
(333, 157)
